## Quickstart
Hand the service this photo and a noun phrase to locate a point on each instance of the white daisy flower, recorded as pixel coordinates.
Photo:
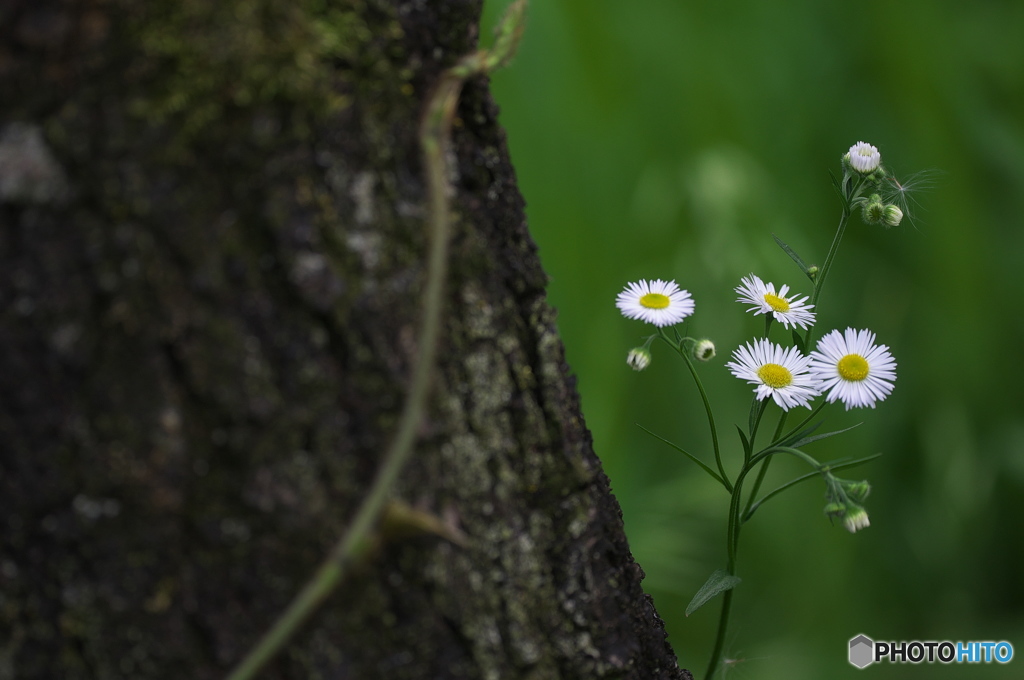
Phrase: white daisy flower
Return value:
(853, 368)
(661, 303)
(789, 309)
(778, 372)
(864, 158)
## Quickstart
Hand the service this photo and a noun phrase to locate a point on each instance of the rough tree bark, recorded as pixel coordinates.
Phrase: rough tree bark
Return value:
(211, 250)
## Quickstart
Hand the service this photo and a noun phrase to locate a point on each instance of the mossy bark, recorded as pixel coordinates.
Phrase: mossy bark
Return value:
(212, 239)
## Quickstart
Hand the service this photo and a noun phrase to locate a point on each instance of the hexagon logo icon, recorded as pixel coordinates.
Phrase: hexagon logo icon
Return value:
(862, 651)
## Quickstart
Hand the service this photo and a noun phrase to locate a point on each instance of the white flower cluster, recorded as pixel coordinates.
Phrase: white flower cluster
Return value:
(848, 365)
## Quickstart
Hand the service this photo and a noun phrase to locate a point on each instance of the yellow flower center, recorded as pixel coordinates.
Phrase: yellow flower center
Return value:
(774, 375)
(654, 301)
(853, 367)
(777, 303)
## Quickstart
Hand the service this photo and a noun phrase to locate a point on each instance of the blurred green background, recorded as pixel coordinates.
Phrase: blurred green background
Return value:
(666, 139)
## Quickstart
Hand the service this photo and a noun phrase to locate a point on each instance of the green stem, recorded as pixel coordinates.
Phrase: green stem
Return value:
(356, 539)
(833, 467)
(736, 522)
(798, 428)
(695, 459)
(723, 624)
(732, 546)
(756, 411)
(732, 533)
(707, 404)
(785, 449)
(819, 281)
(764, 468)
(435, 132)
(763, 457)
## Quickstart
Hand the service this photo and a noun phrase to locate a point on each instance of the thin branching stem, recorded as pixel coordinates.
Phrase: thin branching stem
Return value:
(798, 428)
(732, 534)
(681, 350)
(435, 131)
(819, 281)
(764, 468)
(829, 467)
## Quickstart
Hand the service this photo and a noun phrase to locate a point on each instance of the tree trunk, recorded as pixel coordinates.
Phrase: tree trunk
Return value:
(212, 245)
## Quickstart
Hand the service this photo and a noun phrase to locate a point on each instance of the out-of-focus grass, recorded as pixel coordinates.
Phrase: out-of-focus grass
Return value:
(663, 139)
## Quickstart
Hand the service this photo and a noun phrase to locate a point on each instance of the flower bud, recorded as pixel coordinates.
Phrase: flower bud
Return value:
(856, 518)
(874, 211)
(835, 509)
(639, 358)
(857, 491)
(892, 215)
(704, 350)
(864, 158)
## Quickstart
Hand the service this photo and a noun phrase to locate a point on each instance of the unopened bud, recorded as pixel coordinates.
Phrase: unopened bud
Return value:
(704, 350)
(874, 211)
(835, 509)
(856, 518)
(639, 358)
(857, 491)
(892, 215)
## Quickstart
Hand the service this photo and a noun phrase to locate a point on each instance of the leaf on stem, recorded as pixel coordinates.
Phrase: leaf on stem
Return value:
(743, 438)
(719, 582)
(807, 440)
(757, 407)
(792, 254)
(832, 466)
(838, 187)
(798, 342)
(689, 455)
(799, 435)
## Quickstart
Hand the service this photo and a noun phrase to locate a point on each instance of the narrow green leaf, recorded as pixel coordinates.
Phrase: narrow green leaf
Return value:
(798, 342)
(757, 407)
(743, 438)
(796, 436)
(846, 462)
(689, 455)
(837, 187)
(719, 581)
(807, 440)
(792, 254)
(832, 466)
